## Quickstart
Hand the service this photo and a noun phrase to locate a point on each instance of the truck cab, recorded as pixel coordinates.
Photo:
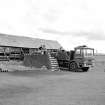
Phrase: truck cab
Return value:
(82, 58)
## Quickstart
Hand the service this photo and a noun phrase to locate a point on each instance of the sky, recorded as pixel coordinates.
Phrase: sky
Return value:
(70, 22)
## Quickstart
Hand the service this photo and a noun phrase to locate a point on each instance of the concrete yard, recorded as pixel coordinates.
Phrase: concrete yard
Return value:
(53, 88)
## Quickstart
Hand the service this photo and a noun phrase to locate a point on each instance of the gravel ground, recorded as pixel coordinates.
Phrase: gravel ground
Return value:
(52, 88)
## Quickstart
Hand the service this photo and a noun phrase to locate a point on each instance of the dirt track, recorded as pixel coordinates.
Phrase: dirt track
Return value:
(52, 88)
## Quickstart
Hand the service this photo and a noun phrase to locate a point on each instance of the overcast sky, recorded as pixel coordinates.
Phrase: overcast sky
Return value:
(70, 22)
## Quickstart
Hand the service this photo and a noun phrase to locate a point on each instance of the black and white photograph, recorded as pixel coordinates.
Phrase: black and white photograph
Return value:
(52, 52)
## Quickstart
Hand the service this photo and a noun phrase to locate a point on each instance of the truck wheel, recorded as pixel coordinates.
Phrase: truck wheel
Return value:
(73, 67)
(85, 69)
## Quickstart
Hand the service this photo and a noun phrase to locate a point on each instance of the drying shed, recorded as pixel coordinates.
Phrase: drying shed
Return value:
(26, 49)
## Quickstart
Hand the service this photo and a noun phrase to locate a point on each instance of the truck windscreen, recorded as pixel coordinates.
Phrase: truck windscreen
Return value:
(87, 52)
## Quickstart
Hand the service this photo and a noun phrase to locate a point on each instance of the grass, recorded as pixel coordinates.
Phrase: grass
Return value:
(52, 88)
(43, 87)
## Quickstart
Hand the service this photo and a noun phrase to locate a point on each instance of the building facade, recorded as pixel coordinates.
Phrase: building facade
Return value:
(15, 47)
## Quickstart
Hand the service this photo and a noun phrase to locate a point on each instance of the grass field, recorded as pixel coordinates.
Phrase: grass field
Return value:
(52, 88)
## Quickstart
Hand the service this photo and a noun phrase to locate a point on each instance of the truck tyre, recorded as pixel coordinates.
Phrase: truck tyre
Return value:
(85, 69)
(73, 66)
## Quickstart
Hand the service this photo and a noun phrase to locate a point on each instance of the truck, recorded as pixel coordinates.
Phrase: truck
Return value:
(79, 59)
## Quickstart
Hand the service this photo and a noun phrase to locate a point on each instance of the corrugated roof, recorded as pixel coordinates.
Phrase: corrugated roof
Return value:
(21, 41)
